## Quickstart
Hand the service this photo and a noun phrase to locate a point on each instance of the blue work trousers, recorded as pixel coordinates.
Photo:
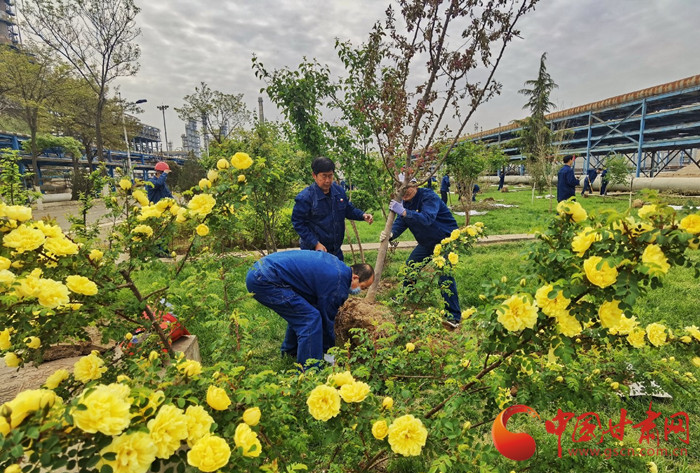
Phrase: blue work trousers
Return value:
(421, 253)
(304, 337)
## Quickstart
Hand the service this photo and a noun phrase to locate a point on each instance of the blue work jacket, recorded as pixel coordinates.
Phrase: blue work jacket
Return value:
(445, 184)
(427, 217)
(592, 174)
(159, 189)
(321, 217)
(566, 183)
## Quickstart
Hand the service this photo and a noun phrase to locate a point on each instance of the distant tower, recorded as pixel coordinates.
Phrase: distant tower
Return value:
(9, 32)
(261, 116)
(190, 140)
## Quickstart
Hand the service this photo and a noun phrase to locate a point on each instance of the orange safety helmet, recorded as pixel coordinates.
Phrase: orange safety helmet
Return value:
(162, 166)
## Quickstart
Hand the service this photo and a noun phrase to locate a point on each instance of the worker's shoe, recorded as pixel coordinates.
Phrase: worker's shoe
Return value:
(450, 324)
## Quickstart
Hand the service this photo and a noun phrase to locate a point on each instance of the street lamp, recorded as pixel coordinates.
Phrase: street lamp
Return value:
(126, 138)
(163, 108)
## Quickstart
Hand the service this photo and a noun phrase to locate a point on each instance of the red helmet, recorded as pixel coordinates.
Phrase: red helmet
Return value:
(162, 166)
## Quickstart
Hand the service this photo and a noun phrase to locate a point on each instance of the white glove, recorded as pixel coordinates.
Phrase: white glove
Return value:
(383, 236)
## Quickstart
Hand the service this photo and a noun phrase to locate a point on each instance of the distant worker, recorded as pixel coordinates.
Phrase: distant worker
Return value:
(589, 179)
(158, 188)
(306, 288)
(431, 182)
(445, 187)
(501, 178)
(320, 211)
(604, 182)
(566, 180)
(475, 191)
(429, 220)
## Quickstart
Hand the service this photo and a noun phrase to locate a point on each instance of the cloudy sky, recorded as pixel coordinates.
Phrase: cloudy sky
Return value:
(595, 48)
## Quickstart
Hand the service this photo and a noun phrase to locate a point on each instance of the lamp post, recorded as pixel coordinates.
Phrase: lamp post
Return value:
(163, 108)
(126, 137)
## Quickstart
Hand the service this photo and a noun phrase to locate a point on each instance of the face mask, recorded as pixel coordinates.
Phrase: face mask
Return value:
(355, 291)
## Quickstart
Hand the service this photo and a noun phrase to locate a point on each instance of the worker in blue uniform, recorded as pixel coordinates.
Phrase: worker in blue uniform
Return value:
(589, 179)
(320, 211)
(429, 220)
(157, 188)
(306, 288)
(444, 187)
(566, 180)
(604, 182)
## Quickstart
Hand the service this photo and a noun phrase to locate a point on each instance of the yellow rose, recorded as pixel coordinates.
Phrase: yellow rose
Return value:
(686, 339)
(696, 361)
(453, 257)
(33, 342)
(24, 238)
(615, 386)
(140, 196)
(212, 175)
(573, 209)
(691, 224)
(167, 429)
(437, 250)
(5, 336)
(323, 402)
(241, 178)
(583, 240)
(380, 430)
(202, 230)
(204, 183)
(247, 440)
(455, 234)
(49, 231)
(610, 314)
(12, 360)
(27, 402)
(217, 398)
(141, 230)
(603, 277)
(551, 307)
(95, 255)
(190, 368)
(51, 293)
(201, 204)
(18, 212)
(339, 379)
(88, 368)
(14, 468)
(153, 355)
(125, 184)
(439, 261)
(410, 347)
(181, 216)
(569, 325)
(648, 210)
(654, 257)
(107, 410)
(468, 313)
(4, 263)
(354, 392)
(251, 416)
(656, 333)
(517, 313)
(624, 326)
(407, 436)
(134, 453)
(199, 423)
(241, 161)
(209, 453)
(150, 211)
(222, 164)
(694, 331)
(81, 285)
(387, 403)
(652, 467)
(636, 338)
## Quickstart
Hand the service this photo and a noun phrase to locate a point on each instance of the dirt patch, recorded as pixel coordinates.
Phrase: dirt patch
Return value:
(58, 352)
(358, 313)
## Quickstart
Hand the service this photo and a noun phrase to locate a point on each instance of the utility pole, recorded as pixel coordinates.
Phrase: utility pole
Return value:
(261, 117)
(163, 108)
(126, 137)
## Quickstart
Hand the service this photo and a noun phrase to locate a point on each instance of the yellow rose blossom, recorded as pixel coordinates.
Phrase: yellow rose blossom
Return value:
(153, 355)
(29, 286)
(107, 410)
(615, 386)
(212, 175)
(7, 277)
(125, 184)
(340, 379)
(199, 423)
(142, 230)
(122, 378)
(33, 342)
(354, 392)
(380, 430)
(149, 211)
(222, 164)
(28, 402)
(610, 314)
(251, 416)
(444, 241)
(14, 468)
(407, 436)
(652, 467)
(52, 293)
(49, 231)
(648, 210)
(654, 257)
(471, 231)
(636, 338)
(517, 313)
(217, 398)
(88, 368)
(209, 453)
(437, 250)
(468, 313)
(656, 333)
(696, 361)
(140, 197)
(551, 307)
(241, 178)
(24, 238)
(95, 255)
(410, 347)
(12, 360)
(4, 263)
(323, 402)
(247, 440)
(181, 216)
(455, 234)
(201, 204)
(568, 325)
(453, 257)
(18, 212)
(134, 453)
(387, 403)
(5, 339)
(624, 326)
(685, 339)
(167, 429)
(439, 261)
(603, 277)
(190, 368)
(81, 285)
(694, 332)
(583, 240)
(202, 230)
(690, 224)
(241, 161)
(573, 209)
(204, 183)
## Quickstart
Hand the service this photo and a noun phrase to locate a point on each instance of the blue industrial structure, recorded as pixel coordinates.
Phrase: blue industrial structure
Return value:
(9, 33)
(657, 129)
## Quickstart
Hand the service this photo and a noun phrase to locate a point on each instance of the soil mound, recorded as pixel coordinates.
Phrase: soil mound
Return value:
(358, 313)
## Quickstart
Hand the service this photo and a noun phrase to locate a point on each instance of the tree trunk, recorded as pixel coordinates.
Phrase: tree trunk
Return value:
(98, 129)
(381, 257)
(359, 243)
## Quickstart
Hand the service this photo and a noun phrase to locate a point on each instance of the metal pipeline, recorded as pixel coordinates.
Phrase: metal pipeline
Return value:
(677, 185)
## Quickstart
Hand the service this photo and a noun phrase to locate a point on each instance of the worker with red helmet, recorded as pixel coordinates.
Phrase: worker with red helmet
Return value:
(157, 188)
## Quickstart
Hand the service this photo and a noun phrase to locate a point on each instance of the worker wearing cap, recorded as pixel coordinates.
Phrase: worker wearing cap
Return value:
(430, 221)
(158, 188)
